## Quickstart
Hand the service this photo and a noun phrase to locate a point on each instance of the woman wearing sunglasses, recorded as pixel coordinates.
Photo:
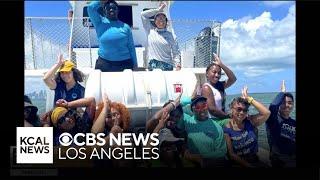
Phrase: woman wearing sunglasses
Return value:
(240, 131)
(67, 118)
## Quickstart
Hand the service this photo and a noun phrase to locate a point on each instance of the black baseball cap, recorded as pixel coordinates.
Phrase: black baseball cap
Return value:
(197, 99)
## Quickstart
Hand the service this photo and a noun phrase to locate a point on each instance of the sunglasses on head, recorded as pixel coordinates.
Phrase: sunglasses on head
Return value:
(201, 106)
(239, 109)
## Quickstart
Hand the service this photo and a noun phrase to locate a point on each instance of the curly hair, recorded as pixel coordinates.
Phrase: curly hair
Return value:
(125, 116)
(77, 75)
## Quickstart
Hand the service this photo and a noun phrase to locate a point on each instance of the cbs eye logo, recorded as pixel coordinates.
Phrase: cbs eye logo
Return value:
(65, 139)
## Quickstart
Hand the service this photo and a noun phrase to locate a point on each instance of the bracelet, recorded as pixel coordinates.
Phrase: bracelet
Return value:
(174, 106)
(250, 99)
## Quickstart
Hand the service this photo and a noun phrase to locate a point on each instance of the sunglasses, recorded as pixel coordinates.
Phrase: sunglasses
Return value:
(202, 106)
(245, 110)
(70, 113)
(111, 115)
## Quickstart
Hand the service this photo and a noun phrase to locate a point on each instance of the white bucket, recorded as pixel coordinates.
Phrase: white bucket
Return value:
(143, 92)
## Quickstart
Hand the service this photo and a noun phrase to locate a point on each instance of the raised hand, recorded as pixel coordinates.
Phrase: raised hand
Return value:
(163, 120)
(283, 86)
(105, 99)
(162, 5)
(177, 100)
(216, 59)
(116, 126)
(60, 60)
(244, 92)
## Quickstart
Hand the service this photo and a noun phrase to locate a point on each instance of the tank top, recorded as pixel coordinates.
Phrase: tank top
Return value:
(217, 97)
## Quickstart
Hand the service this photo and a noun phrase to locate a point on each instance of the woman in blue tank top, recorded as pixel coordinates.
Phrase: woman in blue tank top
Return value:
(240, 131)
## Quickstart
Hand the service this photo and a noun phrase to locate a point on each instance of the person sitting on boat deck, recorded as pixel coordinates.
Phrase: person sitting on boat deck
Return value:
(31, 119)
(171, 138)
(240, 130)
(206, 145)
(114, 118)
(214, 90)
(116, 47)
(67, 117)
(281, 130)
(66, 81)
(163, 51)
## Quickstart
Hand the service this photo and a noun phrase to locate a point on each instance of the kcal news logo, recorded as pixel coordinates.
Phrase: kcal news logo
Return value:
(35, 145)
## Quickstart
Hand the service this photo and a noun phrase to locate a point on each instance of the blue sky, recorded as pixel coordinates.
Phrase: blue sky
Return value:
(257, 38)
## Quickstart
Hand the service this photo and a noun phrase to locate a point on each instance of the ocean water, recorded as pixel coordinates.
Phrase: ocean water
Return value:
(265, 99)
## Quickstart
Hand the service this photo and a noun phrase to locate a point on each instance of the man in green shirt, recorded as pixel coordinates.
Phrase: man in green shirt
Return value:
(206, 144)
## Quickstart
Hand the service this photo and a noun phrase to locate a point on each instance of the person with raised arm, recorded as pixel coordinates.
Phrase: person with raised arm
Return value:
(66, 82)
(240, 131)
(116, 47)
(281, 130)
(214, 90)
(162, 50)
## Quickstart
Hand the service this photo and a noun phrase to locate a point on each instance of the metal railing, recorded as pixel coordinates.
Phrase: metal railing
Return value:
(46, 37)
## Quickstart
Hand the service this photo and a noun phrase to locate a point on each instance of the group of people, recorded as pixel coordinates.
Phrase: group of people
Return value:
(193, 131)
(116, 46)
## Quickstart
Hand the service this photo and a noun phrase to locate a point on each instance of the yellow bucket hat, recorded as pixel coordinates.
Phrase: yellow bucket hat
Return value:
(67, 66)
(56, 113)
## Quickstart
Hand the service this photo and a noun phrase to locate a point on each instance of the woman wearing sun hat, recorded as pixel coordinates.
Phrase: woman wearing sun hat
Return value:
(65, 82)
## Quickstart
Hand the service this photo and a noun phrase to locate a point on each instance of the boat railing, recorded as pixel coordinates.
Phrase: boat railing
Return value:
(46, 37)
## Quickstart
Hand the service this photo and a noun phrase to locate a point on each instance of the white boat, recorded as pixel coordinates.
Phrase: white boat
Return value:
(143, 92)
(81, 45)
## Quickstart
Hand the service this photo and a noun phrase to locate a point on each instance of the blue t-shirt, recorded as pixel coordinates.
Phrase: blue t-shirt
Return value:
(281, 132)
(61, 92)
(115, 37)
(244, 142)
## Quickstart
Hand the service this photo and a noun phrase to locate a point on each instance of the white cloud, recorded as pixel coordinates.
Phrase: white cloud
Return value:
(257, 44)
(276, 3)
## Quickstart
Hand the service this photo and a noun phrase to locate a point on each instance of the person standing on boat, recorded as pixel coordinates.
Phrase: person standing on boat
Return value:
(163, 50)
(281, 130)
(214, 90)
(240, 131)
(66, 82)
(116, 47)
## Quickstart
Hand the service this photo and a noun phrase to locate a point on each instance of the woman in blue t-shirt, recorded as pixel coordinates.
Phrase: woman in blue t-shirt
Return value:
(65, 82)
(116, 46)
(240, 131)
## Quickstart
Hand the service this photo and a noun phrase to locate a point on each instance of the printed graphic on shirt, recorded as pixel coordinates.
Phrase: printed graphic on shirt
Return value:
(288, 131)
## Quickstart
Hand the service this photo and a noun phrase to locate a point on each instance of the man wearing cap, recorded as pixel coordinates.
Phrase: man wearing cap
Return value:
(66, 81)
(163, 51)
(205, 138)
(206, 145)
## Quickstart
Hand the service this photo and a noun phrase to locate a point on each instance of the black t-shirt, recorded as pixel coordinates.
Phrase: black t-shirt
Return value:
(281, 132)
